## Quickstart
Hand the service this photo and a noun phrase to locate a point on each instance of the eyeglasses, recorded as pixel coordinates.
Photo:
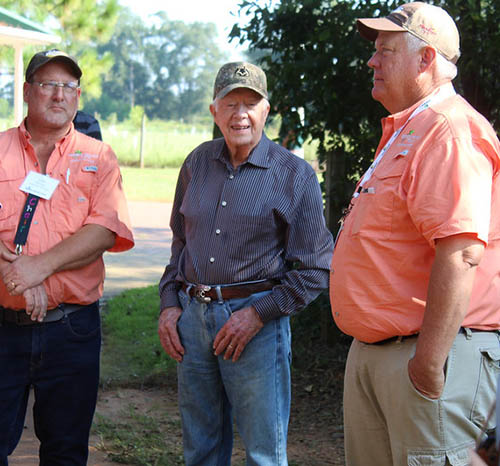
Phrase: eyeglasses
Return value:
(49, 87)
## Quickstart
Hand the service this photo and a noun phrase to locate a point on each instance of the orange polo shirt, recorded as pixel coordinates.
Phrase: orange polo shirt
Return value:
(89, 192)
(439, 178)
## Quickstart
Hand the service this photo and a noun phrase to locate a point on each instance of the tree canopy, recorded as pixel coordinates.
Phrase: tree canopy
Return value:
(167, 67)
(315, 59)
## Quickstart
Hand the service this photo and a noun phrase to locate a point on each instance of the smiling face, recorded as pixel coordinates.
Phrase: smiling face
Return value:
(395, 72)
(56, 110)
(241, 116)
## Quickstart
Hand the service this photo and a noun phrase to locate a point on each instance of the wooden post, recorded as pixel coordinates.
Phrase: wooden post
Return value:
(143, 137)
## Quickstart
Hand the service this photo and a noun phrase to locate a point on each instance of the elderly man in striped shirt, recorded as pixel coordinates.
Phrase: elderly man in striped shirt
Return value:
(250, 247)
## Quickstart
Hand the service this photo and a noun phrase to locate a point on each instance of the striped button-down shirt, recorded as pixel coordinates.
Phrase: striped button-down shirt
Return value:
(262, 220)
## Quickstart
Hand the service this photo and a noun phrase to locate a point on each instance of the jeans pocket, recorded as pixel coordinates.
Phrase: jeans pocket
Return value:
(83, 325)
(485, 397)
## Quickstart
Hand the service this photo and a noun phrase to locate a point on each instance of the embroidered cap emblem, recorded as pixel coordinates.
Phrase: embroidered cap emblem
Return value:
(241, 71)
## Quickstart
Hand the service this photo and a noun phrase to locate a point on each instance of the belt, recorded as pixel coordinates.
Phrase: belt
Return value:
(207, 293)
(400, 338)
(11, 316)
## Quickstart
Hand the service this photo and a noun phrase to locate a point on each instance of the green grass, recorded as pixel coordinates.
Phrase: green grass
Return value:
(132, 355)
(149, 184)
(166, 143)
(144, 444)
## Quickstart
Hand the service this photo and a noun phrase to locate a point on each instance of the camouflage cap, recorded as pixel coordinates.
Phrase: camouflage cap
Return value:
(429, 23)
(240, 74)
(42, 58)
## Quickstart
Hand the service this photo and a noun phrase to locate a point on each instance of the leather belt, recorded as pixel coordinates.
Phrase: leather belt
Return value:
(400, 338)
(11, 316)
(207, 293)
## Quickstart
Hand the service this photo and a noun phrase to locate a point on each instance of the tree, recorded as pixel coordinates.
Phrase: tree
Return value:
(316, 59)
(167, 67)
(81, 24)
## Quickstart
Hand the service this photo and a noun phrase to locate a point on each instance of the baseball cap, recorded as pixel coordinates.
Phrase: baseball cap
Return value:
(42, 58)
(429, 23)
(240, 74)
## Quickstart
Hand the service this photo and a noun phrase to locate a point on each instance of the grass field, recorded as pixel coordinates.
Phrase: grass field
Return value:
(149, 184)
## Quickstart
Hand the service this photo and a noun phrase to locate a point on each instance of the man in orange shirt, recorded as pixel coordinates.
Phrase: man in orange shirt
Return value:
(61, 206)
(416, 271)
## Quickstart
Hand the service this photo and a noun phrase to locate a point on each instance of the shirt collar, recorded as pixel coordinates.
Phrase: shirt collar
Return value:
(399, 119)
(259, 156)
(25, 137)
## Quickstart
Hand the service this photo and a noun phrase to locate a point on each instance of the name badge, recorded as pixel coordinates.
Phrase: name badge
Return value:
(39, 185)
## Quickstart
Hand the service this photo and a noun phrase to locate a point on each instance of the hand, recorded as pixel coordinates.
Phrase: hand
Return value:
(36, 302)
(167, 331)
(241, 327)
(22, 273)
(427, 383)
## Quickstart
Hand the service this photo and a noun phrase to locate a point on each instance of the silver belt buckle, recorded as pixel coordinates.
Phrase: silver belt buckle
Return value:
(199, 293)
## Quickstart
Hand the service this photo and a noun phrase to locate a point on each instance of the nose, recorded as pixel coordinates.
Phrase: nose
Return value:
(373, 61)
(58, 93)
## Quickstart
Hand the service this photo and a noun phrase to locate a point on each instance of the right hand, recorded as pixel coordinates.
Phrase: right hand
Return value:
(167, 331)
(36, 302)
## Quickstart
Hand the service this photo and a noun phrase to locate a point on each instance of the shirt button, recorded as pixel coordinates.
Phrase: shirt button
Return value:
(231, 176)
(217, 232)
(224, 203)
(212, 260)
(36, 164)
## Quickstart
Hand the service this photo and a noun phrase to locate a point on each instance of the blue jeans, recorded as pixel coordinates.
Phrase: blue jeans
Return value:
(256, 388)
(61, 361)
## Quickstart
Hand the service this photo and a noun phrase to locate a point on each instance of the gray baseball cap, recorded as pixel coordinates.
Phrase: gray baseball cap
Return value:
(240, 74)
(42, 58)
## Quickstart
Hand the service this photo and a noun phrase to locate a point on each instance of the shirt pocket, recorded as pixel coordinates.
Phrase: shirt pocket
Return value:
(374, 211)
(12, 201)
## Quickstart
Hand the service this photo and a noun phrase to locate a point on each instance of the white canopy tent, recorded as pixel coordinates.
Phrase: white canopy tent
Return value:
(19, 32)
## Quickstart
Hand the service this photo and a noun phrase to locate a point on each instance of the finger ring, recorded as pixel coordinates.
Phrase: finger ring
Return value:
(230, 346)
(13, 284)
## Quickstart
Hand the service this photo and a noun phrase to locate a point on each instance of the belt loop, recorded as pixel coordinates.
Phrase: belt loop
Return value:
(468, 333)
(220, 299)
(188, 292)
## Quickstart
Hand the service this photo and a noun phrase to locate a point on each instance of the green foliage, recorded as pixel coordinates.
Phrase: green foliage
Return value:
(139, 440)
(136, 113)
(315, 59)
(132, 354)
(81, 24)
(167, 67)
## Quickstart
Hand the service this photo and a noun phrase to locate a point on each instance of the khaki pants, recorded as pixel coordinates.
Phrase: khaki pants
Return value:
(388, 422)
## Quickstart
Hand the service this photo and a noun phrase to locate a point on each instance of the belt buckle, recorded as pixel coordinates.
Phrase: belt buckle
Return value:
(199, 293)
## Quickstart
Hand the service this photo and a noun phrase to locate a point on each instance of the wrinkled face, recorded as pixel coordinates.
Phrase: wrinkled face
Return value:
(241, 116)
(51, 108)
(395, 72)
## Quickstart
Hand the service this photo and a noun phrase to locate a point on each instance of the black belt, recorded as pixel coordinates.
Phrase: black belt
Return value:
(11, 316)
(207, 293)
(400, 338)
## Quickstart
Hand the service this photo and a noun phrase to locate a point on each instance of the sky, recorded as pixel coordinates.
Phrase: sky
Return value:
(224, 13)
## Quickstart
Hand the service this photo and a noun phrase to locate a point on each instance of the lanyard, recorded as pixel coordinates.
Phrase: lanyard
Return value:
(441, 95)
(23, 227)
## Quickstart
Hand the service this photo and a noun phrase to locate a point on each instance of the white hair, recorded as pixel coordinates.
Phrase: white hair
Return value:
(445, 68)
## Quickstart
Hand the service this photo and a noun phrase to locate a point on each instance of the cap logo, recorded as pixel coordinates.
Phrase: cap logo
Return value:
(53, 53)
(427, 30)
(242, 72)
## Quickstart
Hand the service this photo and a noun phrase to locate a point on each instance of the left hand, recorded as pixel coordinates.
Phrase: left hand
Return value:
(241, 327)
(23, 273)
(427, 383)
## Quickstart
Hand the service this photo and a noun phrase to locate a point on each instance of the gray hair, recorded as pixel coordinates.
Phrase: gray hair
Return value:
(445, 68)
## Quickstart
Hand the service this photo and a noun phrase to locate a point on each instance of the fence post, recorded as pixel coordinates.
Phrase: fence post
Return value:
(143, 137)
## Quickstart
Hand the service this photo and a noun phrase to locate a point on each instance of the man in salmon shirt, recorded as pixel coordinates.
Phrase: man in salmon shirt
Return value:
(415, 274)
(61, 206)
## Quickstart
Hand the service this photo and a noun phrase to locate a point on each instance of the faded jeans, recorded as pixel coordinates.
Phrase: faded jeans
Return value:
(256, 388)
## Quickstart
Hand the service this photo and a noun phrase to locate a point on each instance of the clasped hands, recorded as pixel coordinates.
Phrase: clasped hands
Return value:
(21, 275)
